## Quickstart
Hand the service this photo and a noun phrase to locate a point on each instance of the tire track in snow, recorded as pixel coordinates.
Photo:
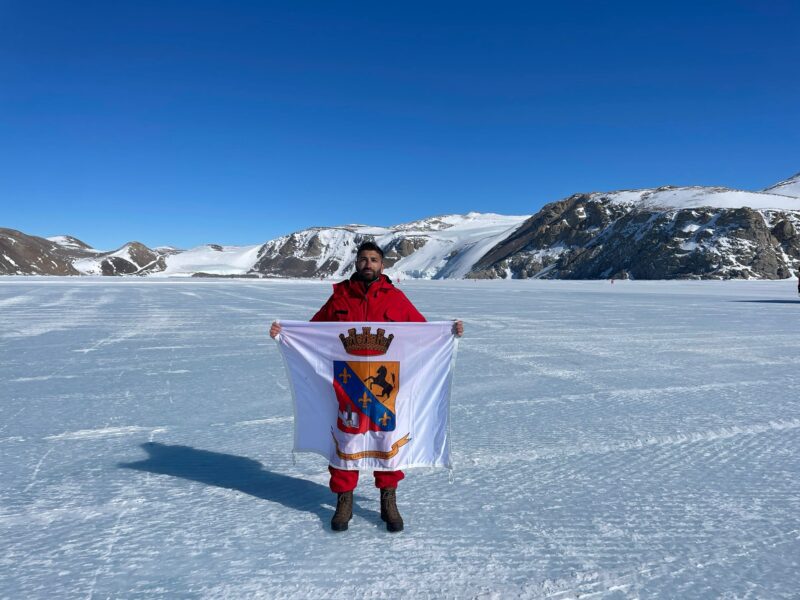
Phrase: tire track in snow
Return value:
(36, 470)
(51, 317)
(592, 583)
(677, 439)
(635, 393)
(15, 300)
(106, 557)
(103, 432)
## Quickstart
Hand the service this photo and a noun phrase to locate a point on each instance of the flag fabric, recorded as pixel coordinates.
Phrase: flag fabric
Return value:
(371, 396)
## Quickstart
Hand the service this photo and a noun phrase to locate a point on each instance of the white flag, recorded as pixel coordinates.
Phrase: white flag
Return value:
(371, 396)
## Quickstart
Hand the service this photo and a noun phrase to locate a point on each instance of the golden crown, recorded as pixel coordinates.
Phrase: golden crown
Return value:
(366, 343)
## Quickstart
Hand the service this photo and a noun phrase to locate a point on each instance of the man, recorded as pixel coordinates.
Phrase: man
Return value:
(367, 296)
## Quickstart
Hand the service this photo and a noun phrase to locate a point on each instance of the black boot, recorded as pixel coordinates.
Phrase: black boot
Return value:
(389, 512)
(344, 512)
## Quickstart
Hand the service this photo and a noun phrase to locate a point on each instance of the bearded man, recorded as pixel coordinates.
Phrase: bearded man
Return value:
(368, 295)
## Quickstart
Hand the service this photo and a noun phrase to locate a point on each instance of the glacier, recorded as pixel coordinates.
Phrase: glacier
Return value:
(630, 440)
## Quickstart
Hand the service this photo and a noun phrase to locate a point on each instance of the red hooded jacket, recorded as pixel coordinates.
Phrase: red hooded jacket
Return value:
(353, 301)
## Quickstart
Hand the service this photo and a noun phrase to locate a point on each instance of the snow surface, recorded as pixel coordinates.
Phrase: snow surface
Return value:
(88, 266)
(629, 440)
(69, 242)
(787, 187)
(696, 197)
(231, 260)
(467, 239)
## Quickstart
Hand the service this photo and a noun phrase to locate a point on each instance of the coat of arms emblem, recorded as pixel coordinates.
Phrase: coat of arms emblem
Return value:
(366, 390)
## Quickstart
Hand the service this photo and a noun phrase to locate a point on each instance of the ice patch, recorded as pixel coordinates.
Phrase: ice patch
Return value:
(5, 302)
(106, 432)
(41, 378)
(267, 421)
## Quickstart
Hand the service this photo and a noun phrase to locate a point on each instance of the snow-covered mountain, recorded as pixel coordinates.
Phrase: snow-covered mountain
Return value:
(133, 258)
(662, 233)
(435, 248)
(658, 233)
(22, 254)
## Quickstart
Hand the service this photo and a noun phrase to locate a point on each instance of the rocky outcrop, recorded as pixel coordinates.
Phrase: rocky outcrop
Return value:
(132, 259)
(306, 253)
(402, 247)
(22, 254)
(541, 240)
(595, 236)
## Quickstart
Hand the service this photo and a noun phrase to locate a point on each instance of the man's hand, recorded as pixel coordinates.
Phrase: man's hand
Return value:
(274, 330)
(458, 328)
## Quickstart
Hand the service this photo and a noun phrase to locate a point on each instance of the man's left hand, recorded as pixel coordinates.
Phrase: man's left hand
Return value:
(458, 328)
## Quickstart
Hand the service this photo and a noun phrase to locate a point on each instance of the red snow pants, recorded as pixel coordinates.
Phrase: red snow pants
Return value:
(346, 481)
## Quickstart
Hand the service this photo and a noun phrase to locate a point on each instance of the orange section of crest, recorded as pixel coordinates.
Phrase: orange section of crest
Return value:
(381, 378)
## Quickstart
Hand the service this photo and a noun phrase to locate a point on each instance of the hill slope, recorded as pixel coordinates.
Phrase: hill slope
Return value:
(662, 233)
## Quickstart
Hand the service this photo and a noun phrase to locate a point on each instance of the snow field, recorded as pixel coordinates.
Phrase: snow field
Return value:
(632, 440)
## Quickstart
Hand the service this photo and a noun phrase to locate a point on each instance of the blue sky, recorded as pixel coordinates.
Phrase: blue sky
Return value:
(234, 122)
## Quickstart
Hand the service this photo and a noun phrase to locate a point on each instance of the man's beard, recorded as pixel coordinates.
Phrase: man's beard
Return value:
(368, 278)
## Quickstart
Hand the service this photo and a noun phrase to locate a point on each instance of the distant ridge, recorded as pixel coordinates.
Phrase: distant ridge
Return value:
(658, 233)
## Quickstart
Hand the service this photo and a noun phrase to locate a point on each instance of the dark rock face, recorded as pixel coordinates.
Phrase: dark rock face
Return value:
(323, 253)
(783, 231)
(402, 247)
(590, 237)
(140, 261)
(22, 254)
(289, 266)
(307, 254)
(145, 259)
(114, 265)
(541, 240)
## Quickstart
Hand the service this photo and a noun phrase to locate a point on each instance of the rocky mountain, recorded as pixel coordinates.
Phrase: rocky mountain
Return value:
(439, 247)
(659, 233)
(22, 254)
(442, 246)
(133, 258)
(662, 233)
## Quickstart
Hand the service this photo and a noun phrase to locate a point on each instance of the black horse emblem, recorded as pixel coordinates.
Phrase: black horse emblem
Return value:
(380, 381)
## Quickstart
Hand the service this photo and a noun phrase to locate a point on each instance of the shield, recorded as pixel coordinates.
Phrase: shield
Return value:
(366, 392)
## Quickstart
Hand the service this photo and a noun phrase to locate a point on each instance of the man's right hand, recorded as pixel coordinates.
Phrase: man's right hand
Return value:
(274, 330)
(458, 328)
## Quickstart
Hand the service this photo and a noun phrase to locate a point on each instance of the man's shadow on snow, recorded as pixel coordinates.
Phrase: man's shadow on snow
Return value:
(242, 474)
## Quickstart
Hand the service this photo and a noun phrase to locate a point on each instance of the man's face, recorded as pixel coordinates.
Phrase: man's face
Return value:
(369, 265)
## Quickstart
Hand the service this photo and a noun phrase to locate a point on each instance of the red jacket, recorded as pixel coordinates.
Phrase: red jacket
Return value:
(352, 301)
